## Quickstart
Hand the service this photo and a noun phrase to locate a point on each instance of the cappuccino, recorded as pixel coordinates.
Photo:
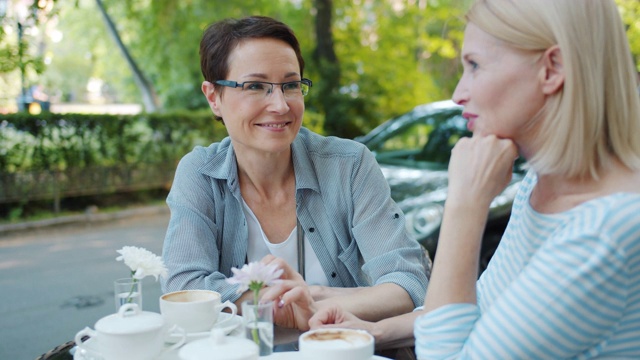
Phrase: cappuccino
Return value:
(340, 338)
(194, 310)
(336, 344)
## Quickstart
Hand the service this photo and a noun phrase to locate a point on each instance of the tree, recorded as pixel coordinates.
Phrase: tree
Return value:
(149, 98)
(23, 55)
(369, 59)
(324, 56)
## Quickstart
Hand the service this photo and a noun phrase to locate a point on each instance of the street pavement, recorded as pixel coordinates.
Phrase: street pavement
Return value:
(55, 280)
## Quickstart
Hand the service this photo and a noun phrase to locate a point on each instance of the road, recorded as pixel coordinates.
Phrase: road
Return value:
(56, 281)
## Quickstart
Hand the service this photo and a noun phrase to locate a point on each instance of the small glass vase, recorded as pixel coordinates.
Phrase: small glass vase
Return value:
(258, 325)
(127, 291)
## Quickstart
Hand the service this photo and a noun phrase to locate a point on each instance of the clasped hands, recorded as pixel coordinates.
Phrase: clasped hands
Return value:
(305, 307)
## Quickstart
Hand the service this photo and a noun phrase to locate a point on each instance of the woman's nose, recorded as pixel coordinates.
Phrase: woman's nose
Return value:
(278, 102)
(461, 93)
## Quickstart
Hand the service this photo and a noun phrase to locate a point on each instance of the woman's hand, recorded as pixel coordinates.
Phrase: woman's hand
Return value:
(335, 316)
(294, 303)
(480, 168)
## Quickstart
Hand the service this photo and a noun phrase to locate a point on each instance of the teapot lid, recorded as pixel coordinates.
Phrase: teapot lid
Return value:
(129, 320)
(221, 346)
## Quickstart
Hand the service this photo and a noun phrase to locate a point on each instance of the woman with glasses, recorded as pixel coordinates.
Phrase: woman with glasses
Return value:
(549, 80)
(275, 191)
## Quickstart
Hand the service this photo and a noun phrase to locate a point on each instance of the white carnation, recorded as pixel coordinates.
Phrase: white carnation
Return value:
(142, 262)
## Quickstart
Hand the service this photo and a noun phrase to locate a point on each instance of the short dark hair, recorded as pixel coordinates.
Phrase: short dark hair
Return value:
(220, 38)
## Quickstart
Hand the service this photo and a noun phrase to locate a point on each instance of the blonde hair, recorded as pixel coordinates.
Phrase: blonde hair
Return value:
(595, 117)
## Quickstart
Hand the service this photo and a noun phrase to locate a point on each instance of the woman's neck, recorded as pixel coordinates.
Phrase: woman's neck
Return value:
(556, 193)
(266, 174)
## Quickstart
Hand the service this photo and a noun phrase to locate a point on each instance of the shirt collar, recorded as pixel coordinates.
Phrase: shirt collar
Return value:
(222, 164)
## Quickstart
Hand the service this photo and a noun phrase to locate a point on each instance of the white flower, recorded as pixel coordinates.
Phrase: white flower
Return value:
(142, 262)
(254, 276)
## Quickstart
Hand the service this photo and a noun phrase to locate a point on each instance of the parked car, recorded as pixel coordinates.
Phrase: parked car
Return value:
(413, 151)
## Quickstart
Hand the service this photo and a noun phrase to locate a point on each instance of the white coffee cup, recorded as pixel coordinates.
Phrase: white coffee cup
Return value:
(194, 310)
(130, 334)
(336, 344)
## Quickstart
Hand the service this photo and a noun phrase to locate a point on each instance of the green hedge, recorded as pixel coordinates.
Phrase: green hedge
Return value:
(59, 141)
(56, 155)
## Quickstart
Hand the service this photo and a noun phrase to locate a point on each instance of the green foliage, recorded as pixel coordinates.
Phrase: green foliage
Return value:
(18, 52)
(396, 57)
(392, 55)
(630, 11)
(85, 52)
(55, 156)
(8, 58)
(55, 142)
(164, 37)
(385, 68)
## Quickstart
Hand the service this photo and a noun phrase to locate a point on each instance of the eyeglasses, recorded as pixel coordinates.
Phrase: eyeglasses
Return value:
(262, 89)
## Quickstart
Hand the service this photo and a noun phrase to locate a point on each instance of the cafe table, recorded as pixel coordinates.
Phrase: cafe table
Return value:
(286, 344)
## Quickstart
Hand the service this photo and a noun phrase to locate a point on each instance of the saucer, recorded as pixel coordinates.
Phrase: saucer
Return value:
(226, 328)
(294, 355)
(88, 351)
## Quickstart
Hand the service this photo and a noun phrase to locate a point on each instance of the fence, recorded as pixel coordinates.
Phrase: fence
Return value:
(57, 185)
(52, 156)
(43, 185)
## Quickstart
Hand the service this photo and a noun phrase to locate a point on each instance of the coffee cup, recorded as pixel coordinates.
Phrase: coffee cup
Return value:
(336, 344)
(130, 334)
(195, 310)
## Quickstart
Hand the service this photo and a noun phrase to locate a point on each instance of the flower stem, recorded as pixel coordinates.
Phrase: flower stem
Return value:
(254, 331)
(133, 287)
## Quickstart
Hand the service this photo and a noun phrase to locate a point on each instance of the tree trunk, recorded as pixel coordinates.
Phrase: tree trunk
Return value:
(149, 98)
(329, 68)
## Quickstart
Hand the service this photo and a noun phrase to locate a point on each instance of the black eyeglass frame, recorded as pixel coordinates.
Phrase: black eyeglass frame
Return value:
(235, 84)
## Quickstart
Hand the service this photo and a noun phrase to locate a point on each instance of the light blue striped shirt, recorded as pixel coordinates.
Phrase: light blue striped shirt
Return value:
(343, 203)
(561, 286)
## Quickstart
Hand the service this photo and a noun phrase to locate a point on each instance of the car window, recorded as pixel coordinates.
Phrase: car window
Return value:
(423, 141)
(443, 138)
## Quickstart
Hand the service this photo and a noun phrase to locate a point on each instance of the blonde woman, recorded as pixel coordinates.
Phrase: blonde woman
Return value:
(551, 81)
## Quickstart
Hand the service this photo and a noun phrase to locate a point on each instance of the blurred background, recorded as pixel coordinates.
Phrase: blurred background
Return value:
(99, 99)
(103, 96)
(369, 59)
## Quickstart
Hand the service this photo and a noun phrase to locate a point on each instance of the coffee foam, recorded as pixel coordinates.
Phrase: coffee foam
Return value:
(339, 338)
(336, 344)
(189, 296)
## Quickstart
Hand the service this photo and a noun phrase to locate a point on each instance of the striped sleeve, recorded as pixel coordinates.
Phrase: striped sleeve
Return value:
(569, 298)
(455, 322)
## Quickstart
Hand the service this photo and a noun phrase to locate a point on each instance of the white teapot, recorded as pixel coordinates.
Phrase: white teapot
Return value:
(131, 334)
(220, 347)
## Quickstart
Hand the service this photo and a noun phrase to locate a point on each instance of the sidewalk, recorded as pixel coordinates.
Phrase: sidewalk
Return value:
(88, 217)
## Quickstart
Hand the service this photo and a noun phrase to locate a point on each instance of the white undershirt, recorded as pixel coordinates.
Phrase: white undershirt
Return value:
(259, 246)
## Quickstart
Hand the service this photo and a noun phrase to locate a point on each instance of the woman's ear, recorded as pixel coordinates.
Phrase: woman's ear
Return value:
(552, 73)
(209, 91)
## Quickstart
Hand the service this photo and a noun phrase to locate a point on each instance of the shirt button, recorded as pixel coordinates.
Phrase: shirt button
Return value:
(312, 229)
(333, 274)
(396, 216)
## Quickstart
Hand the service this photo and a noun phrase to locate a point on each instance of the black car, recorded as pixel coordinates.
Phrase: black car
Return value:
(413, 151)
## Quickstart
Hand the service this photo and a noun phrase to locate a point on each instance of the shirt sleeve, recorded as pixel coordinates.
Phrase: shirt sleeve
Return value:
(565, 302)
(190, 251)
(390, 254)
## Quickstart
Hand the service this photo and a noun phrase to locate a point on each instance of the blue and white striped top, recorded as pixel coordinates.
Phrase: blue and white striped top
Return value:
(559, 286)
